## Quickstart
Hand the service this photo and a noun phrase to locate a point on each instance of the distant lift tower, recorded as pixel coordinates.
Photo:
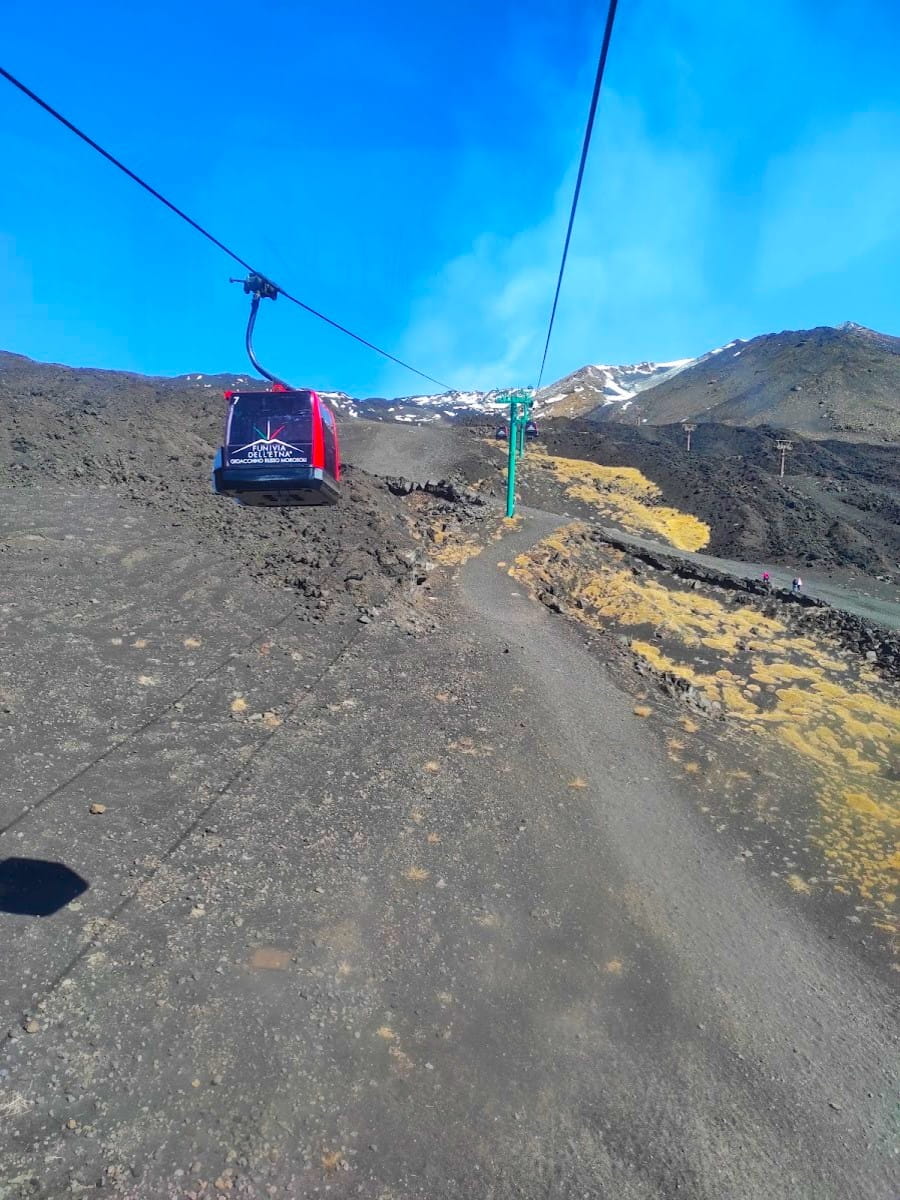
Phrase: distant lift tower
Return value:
(688, 429)
(783, 448)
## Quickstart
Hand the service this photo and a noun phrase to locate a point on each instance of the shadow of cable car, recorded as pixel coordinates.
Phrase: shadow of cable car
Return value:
(33, 887)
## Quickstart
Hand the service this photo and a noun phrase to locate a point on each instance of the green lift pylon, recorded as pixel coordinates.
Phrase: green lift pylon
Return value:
(520, 405)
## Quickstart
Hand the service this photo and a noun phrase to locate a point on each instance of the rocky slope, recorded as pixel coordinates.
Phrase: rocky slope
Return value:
(150, 442)
(153, 440)
(823, 382)
(838, 506)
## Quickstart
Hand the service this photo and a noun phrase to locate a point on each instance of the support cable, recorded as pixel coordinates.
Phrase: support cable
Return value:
(601, 66)
(205, 232)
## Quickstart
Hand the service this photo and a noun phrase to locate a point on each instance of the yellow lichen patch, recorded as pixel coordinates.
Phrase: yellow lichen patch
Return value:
(662, 662)
(863, 803)
(507, 525)
(625, 496)
(613, 967)
(239, 705)
(385, 1031)
(858, 838)
(782, 672)
(610, 592)
(642, 710)
(451, 549)
(797, 884)
(736, 703)
(454, 554)
(796, 698)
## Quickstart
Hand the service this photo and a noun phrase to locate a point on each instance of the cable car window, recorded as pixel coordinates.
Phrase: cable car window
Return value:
(270, 427)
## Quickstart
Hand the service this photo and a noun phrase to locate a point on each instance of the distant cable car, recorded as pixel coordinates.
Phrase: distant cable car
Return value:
(531, 430)
(281, 446)
(500, 435)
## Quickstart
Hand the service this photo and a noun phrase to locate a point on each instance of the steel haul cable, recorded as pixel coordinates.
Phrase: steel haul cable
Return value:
(601, 67)
(205, 232)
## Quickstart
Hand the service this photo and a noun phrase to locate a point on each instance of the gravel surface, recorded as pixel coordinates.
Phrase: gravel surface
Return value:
(408, 908)
(329, 869)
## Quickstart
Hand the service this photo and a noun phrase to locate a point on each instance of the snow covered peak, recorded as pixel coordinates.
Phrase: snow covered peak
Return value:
(578, 393)
(575, 395)
(591, 386)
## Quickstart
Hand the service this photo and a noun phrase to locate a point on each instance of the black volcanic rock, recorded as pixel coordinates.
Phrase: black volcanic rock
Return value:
(837, 507)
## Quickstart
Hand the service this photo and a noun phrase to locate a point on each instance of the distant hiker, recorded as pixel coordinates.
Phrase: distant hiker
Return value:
(766, 578)
(796, 585)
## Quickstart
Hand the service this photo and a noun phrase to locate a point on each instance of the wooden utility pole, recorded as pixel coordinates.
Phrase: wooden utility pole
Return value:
(783, 448)
(688, 429)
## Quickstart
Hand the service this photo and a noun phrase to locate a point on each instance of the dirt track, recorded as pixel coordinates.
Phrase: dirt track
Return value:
(417, 907)
(390, 891)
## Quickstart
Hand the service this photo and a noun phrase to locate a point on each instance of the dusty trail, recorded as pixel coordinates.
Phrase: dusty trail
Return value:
(455, 930)
(791, 1027)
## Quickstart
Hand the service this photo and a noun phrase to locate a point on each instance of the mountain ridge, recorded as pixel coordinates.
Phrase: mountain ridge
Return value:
(830, 381)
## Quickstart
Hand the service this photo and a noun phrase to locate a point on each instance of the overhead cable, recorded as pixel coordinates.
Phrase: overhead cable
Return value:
(601, 67)
(205, 232)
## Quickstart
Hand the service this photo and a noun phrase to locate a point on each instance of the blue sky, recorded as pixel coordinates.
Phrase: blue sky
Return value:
(407, 169)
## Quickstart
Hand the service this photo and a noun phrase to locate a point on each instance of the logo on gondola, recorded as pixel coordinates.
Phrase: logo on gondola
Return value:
(268, 448)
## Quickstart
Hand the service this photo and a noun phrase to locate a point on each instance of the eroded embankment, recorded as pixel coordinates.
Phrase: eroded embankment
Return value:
(877, 644)
(796, 695)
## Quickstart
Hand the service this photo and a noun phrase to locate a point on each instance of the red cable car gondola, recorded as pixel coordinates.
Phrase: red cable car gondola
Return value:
(281, 446)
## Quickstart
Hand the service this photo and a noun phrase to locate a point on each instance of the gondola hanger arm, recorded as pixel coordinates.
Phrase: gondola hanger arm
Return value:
(259, 288)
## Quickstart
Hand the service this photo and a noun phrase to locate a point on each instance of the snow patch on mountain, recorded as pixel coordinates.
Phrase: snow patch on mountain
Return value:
(579, 392)
(590, 387)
